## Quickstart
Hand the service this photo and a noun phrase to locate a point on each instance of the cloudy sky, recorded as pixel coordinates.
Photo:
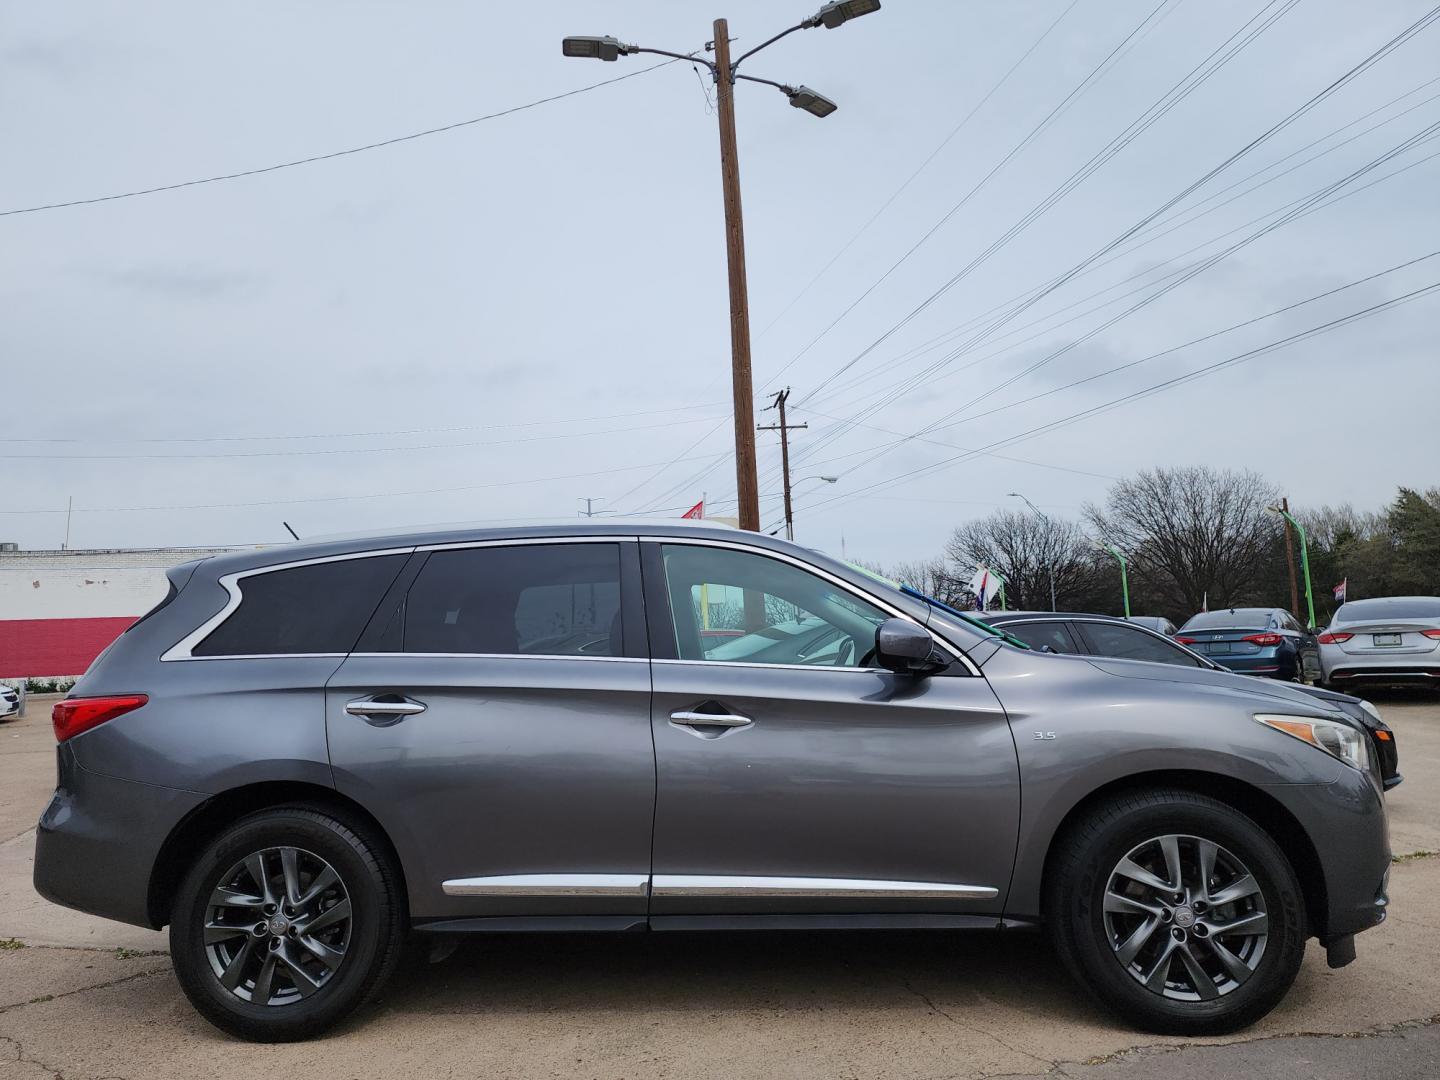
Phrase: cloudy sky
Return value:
(495, 321)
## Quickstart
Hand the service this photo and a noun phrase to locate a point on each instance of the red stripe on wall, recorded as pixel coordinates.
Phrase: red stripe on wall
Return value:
(44, 648)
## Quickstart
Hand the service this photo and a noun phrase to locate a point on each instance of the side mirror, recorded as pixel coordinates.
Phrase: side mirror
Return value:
(905, 648)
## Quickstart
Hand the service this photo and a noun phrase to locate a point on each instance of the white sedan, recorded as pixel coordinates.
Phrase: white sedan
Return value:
(1387, 639)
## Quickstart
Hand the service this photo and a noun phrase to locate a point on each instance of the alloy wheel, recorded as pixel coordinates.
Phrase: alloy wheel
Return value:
(277, 926)
(1185, 918)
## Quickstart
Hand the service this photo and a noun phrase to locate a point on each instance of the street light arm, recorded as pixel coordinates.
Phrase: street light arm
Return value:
(782, 87)
(806, 25)
(691, 57)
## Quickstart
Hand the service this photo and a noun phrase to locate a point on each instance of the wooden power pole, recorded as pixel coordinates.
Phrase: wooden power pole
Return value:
(780, 398)
(746, 483)
(1290, 559)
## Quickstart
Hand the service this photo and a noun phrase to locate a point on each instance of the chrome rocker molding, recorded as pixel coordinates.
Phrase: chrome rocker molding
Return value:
(711, 886)
(550, 885)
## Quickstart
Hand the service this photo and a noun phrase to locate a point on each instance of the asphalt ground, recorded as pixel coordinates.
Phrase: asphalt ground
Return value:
(86, 998)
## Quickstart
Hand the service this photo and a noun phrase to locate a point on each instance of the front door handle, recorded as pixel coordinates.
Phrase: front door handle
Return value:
(388, 705)
(694, 719)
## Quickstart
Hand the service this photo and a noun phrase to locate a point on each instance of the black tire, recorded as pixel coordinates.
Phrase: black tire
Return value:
(373, 932)
(1080, 873)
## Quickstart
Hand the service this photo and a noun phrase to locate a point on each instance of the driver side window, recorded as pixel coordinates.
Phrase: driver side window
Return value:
(740, 607)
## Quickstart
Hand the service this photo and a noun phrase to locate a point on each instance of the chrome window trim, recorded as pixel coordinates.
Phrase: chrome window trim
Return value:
(503, 656)
(550, 885)
(534, 541)
(781, 667)
(839, 582)
(721, 885)
(231, 584)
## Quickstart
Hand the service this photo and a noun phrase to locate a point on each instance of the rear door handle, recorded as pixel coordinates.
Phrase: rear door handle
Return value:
(395, 706)
(694, 719)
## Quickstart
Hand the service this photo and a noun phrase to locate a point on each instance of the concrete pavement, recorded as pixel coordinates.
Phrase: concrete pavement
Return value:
(727, 1005)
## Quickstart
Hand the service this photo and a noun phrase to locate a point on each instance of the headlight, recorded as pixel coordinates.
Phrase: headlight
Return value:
(1332, 736)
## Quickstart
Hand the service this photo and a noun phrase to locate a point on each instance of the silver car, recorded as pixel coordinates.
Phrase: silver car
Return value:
(304, 754)
(1386, 639)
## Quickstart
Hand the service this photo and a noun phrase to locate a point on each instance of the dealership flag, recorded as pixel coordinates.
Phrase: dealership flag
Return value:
(696, 511)
(1339, 591)
(984, 585)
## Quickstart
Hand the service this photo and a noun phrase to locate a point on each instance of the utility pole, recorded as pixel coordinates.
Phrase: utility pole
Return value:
(69, 509)
(747, 484)
(780, 398)
(1290, 558)
(589, 510)
(724, 71)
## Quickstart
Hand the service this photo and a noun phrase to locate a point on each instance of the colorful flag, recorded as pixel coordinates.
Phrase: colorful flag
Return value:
(1339, 591)
(696, 511)
(984, 586)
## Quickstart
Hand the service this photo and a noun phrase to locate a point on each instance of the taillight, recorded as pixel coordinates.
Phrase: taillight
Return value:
(1265, 640)
(1186, 640)
(1434, 635)
(1328, 638)
(75, 716)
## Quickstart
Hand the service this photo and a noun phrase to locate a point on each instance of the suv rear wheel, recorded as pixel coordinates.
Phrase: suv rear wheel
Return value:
(286, 923)
(1179, 912)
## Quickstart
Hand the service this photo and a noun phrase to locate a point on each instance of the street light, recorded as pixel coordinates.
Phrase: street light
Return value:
(1304, 560)
(725, 72)
(1124, 577)
(1044, 518)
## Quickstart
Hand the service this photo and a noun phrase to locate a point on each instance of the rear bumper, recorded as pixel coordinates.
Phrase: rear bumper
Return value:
(1362, 672)
(98, 839)
(1266, 664)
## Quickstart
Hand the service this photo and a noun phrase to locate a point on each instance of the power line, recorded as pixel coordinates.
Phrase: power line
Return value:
(334, 153)
(1148, 391)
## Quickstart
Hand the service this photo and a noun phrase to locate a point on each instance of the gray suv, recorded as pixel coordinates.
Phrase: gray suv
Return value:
(305, 753)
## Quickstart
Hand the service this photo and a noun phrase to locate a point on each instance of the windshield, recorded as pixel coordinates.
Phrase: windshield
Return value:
(1390, 607)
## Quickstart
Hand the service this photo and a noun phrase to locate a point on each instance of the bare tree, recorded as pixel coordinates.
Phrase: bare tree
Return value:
(932, 577)
(1025, 549)
(1192, 533)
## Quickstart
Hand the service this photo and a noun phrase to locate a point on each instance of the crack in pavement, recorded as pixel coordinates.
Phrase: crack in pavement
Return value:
(929, 1004)
(21, 1059)
(1379, 1031)
(82, 990)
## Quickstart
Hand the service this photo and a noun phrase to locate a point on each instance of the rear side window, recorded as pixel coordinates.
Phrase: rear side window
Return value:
(320, 608)
(1127, 643)
(542, 599)
(1038, 635)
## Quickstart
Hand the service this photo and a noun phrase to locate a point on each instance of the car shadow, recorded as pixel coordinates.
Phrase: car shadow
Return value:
(727, 970)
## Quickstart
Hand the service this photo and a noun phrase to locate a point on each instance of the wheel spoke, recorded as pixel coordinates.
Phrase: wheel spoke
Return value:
(1170, 848)
(1236, 968)
(1237, 890)
(1135, 872)
(256, 865)
(1155, 977)
(298, 975)
(290, 867)
(261, 994)
(323, 880)
(1256, 922)
(338, 913)
(324, 953)
(1128, 949)
(1203, 983)
(220, 932)
(233, 970)
(228, 897)
(1206, 850)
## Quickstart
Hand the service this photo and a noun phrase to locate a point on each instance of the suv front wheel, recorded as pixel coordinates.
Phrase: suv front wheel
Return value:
(287, 922)
(1179, 912)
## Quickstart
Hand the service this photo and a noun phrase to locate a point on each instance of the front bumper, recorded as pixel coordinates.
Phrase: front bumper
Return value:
(1347, 826)
(98, 840)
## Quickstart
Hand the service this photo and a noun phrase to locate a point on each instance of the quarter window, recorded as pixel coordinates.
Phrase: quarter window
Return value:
(542, 599)
(740, 607)
(319, 608)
